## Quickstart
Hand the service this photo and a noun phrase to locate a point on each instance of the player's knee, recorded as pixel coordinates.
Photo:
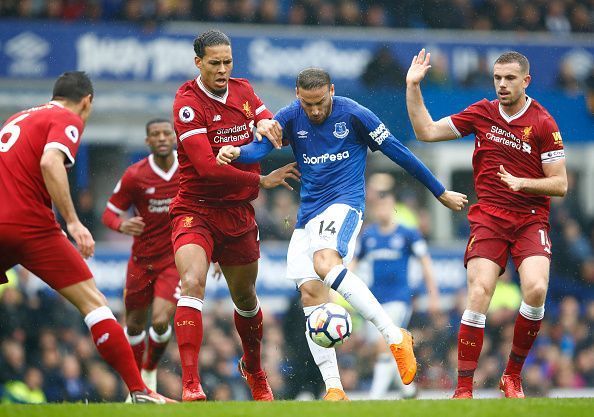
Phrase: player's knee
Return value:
(134, 327)
(192, 285)
(160, 323)
(245, 300)
(535, 293)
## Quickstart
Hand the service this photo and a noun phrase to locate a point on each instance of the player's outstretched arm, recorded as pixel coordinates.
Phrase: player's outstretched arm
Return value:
(453, 200)
(247, 154)
(426, 129)
(56, 182)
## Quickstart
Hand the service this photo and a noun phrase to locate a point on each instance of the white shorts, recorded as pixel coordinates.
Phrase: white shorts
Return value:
(400, 313)
(335, 228)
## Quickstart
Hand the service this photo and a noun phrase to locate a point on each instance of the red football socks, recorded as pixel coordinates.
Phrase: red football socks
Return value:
(113, 346)
(470, 343)
(156, 347)
(188, 329)
(525, 332)
(250, 331)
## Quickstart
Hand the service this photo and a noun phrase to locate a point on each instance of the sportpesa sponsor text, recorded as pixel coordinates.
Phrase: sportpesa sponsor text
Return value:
(327, 157)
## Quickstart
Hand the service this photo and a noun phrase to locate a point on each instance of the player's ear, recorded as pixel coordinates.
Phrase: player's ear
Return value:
(527, 79)
(297, 92)
(331, 90)
(198, 62)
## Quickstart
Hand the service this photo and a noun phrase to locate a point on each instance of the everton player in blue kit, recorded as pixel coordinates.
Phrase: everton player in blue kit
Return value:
(383, 253)
(330, 137)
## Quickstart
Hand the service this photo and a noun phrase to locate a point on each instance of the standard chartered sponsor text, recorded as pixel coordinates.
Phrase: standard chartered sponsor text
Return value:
(159, 205)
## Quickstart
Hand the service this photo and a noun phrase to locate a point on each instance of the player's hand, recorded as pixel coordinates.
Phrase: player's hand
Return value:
(513, 183)
(453, 200)
(228, 154)
(134, 226)
(418, 68)
(82, 237)
(272, 130)
(280, 175)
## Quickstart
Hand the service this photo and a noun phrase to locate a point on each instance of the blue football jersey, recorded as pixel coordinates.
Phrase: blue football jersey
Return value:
(387, 255)
(331, 156)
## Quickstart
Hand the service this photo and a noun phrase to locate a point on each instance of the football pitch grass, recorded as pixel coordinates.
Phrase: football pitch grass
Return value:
(533, 407)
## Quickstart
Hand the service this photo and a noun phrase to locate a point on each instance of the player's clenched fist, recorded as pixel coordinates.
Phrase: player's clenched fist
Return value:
(227, 154)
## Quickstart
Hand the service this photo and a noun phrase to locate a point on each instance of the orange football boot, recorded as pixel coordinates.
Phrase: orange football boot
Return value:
(405, 357)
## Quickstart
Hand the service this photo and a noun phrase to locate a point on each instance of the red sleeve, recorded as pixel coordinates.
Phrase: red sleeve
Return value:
(551, 142)
(64, 134)
(200, 153)
(111, 219)
(191, 132)
(463, 123)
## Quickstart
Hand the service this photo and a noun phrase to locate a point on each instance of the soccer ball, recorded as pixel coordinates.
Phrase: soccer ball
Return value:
(329, 325)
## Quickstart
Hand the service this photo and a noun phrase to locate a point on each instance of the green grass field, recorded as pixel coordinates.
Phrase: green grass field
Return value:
(534, 407)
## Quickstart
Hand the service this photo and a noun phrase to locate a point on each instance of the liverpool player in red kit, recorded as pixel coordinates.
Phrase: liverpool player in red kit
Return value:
(518, 163)
(152, 279)
(36, 145)
(212, 217)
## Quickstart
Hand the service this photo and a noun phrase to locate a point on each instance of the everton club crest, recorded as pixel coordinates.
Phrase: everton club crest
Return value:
(340, 130)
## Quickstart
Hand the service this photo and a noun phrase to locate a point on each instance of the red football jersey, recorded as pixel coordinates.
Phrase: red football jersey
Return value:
(150, 190)
(23, 139)
(226, 120)
(522, 143)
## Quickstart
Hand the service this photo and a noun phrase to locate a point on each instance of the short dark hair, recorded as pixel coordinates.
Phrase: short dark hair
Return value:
(72, 86)
(513, 56)
(312, 78)
(154, 121)
(209, 38)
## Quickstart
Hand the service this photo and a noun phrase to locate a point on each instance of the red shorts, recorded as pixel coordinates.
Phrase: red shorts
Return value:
(495, 232)
(148, 279)
(47, 253)
(229, 235)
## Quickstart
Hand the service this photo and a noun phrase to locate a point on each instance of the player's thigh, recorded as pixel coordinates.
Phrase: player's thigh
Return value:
(482, 279)
(335, 228)
(531, 239)
(489, 237)
(55, 260)
(138, 291)
(231, 251)
(300, 268)
(192, 263)
(534, 279)
(167, 283)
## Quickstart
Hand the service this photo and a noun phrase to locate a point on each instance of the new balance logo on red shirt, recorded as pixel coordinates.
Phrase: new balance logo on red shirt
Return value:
(216, 118)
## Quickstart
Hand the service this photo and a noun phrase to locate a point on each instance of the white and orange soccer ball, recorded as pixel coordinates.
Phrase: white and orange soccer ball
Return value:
(329, 325)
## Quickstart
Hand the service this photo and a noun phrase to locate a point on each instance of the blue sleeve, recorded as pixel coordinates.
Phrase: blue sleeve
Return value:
(377, 136)
(255, 151)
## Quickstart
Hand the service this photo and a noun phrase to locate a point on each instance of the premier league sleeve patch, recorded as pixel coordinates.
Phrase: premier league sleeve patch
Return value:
(186, 114)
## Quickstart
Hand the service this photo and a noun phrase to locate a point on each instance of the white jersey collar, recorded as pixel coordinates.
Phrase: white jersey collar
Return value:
(518, 114)
(157, 170)
(222, 99)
